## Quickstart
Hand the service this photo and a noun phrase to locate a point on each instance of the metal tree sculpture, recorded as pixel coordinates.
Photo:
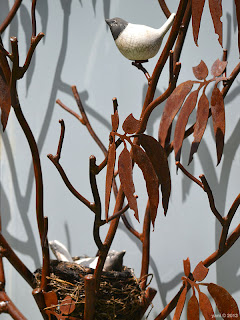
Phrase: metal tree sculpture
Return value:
(149, 154)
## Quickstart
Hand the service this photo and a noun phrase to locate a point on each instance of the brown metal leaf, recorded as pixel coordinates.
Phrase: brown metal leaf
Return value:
(215, 7)
(180, 304)
(218, 118)
(224, 301)
(237, 4)
(205, 306)
(201, 123)
(130, 124)
(187, 267)
(126, 179)
(200, 272)
(109, 176)
(115, 121)
(144, 163)
(5, 99)
(182, 120)
(197, 9)
(67, 305)
(193, 309)
(158, 157)
(51, 299)
(201, 71)
(218, 68)
(173, 104)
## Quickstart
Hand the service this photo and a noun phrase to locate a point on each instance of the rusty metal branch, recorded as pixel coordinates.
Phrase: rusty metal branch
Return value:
(90, 297)
(188, 174)
(46, 258)
(208, 190)
(33, 13)
(146, 114)
(145, 238)
(182, 33)
(141, 67)
(34, 42)
(59, 102)
(97, 202)
(10, 15)
(9, 307)
(68, 184)
(164, 7)
(147, 299)
(165, 53)
(7, 252)
(130, 228)
(86, 121)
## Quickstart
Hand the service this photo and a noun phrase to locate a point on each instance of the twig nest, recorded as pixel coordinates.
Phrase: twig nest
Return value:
(120, 295)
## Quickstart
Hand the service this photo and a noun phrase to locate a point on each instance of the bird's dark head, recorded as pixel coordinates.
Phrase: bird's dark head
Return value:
(117, 25)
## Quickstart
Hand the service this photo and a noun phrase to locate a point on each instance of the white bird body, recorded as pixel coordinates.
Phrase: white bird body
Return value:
(114, 260)
(138, 42)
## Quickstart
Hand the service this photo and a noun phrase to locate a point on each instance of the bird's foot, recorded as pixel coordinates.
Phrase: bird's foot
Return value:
(138, 64)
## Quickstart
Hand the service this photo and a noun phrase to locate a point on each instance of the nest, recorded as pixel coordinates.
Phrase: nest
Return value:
(120, 295)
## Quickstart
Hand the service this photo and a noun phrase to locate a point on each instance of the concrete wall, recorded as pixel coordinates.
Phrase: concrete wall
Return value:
(78, 49)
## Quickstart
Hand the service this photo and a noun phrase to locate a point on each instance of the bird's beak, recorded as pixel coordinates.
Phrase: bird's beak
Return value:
(108, 21)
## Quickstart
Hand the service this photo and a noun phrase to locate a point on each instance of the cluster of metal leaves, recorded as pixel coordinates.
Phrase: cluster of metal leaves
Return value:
(150, 157)
(60, 311)
(185, 99)
(215, 7)
(225, 303)
(5, 98)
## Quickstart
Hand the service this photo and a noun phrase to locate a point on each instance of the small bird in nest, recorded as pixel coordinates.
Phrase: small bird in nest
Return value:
(138, 42)
(114, 260)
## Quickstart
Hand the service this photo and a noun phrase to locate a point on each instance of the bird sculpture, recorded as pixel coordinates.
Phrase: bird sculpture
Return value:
(138, 42)
(114, 260)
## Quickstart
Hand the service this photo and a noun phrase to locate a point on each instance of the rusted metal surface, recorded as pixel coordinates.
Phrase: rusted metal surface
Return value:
(125, 175)
(172, 107)
(197, 9)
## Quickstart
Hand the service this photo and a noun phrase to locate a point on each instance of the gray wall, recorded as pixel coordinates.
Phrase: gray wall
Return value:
(78, 49)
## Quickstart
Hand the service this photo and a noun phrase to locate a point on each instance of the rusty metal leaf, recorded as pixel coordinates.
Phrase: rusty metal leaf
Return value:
(115, 121)
(150, 176)
(218, 118)
(130, 124)
(200, 71)
(201, 123)
(182, 120)
(237, 4)
(224, 301)
(5, 99)
(218, 68)
(215, 7)
(158, 157)
(67, 305)
(205, 306)
(109, 175)
(200, 272)
(193, 309)
(51, 299)
(180, 304)
(173, 104)
(126, 179)
(187, 267)
(197, 9)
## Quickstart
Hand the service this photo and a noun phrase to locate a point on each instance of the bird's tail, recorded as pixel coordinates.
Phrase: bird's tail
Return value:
(167, 25)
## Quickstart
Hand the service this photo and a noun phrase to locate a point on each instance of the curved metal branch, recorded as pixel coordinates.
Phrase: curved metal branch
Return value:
(164, 7)
(10, 15)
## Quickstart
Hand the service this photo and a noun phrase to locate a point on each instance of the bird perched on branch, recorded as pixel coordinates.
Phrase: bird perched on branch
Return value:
(138, 42)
